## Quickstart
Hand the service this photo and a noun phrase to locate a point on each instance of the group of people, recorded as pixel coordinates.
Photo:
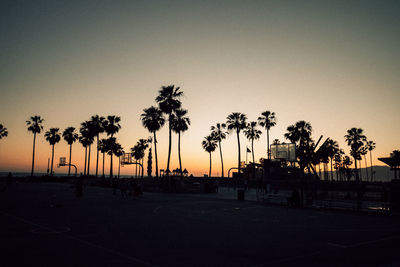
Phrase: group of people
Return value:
(128, 187)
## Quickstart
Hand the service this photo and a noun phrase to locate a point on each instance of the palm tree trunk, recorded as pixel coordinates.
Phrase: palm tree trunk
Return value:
(366, 167)
(97, 159)
(103, 163)
(169, 145)
(268, 152)
(111, 166)
(222, 162)
(155, 151)
(136, 169)
(252, 149)
(179, 152)
(84, 170)
(360, 170)
(331, 169)
(52, 159)
(355, 165)
(372, 173)
(70, 155)
(209, 173)
(33, 153)
(237, 132)
(88, 165)
(119, 166)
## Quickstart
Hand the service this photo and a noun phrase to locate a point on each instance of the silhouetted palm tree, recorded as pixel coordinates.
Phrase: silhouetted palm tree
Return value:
(103, 149)
(267, 120)
(219, 133)
(86, 130)
(53, 137)
(237, 121)
(209, 144)
(111, 127)
(355, 139)
(35, 126)
(97, 128)
(70, 137)
(153, 119)
(112, 149)
(364, 152)
(119, 153)
(86, 140)
(252, 133)
(371, 146)
(3, 131)
(180, 124)
(168, 101)
(333, 148)
(300, 134)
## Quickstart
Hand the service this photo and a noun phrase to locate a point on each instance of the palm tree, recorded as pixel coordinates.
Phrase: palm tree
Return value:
(355, 139)
(53, 137)
(267, 120)
(153, 119)
(103, 149)
(97, 128)
(70, 137)
(237, 121)
(180, 124)
(209, 144)
(252, 134)
(85, 140)
(111, 127)
(112, 149)
(119, 153)
(300, 134)
(364, 152)
(168, 101)
(87, 131)
(333, 148)
(219, 133)
(35, 126)
(371, 146)
(3, 131)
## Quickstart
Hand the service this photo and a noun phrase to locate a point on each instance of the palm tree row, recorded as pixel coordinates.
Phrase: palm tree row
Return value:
(236, 122)
(170, 105)
(89, 130)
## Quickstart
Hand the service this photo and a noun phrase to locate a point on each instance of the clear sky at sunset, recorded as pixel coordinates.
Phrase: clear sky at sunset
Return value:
(335, 64)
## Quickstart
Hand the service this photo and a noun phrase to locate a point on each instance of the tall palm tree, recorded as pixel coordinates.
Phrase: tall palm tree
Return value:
(267, 120)
(333, 148)
(180, 124)
(3, 131)
(252, 133)
(103, 149)
(371, 146)
(209, 144)
(219, 133)
(168, 101)
(119, 153)
(85, 140)
(364, 152)
(53, 137)
(111, 126)
(355, 139)
(97, 122)
(153, 119)
(87, 131)
(35, 126)
(112, 149)
(236, 121)
(300, 134)
(70, 137)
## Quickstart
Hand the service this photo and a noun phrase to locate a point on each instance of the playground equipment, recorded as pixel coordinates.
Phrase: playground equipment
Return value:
(63, 162)
(126, 159)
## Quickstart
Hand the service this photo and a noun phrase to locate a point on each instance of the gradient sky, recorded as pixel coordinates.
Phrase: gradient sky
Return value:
(335, 64)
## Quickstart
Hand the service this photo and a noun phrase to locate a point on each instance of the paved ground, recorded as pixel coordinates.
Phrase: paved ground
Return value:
(46, 225)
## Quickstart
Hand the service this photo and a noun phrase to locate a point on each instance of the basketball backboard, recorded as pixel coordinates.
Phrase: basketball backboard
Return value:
(284, 152)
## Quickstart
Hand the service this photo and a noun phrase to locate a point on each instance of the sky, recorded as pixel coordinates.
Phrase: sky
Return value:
(334, 64)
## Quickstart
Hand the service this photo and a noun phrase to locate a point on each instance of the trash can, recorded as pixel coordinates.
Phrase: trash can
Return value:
(240, 194)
